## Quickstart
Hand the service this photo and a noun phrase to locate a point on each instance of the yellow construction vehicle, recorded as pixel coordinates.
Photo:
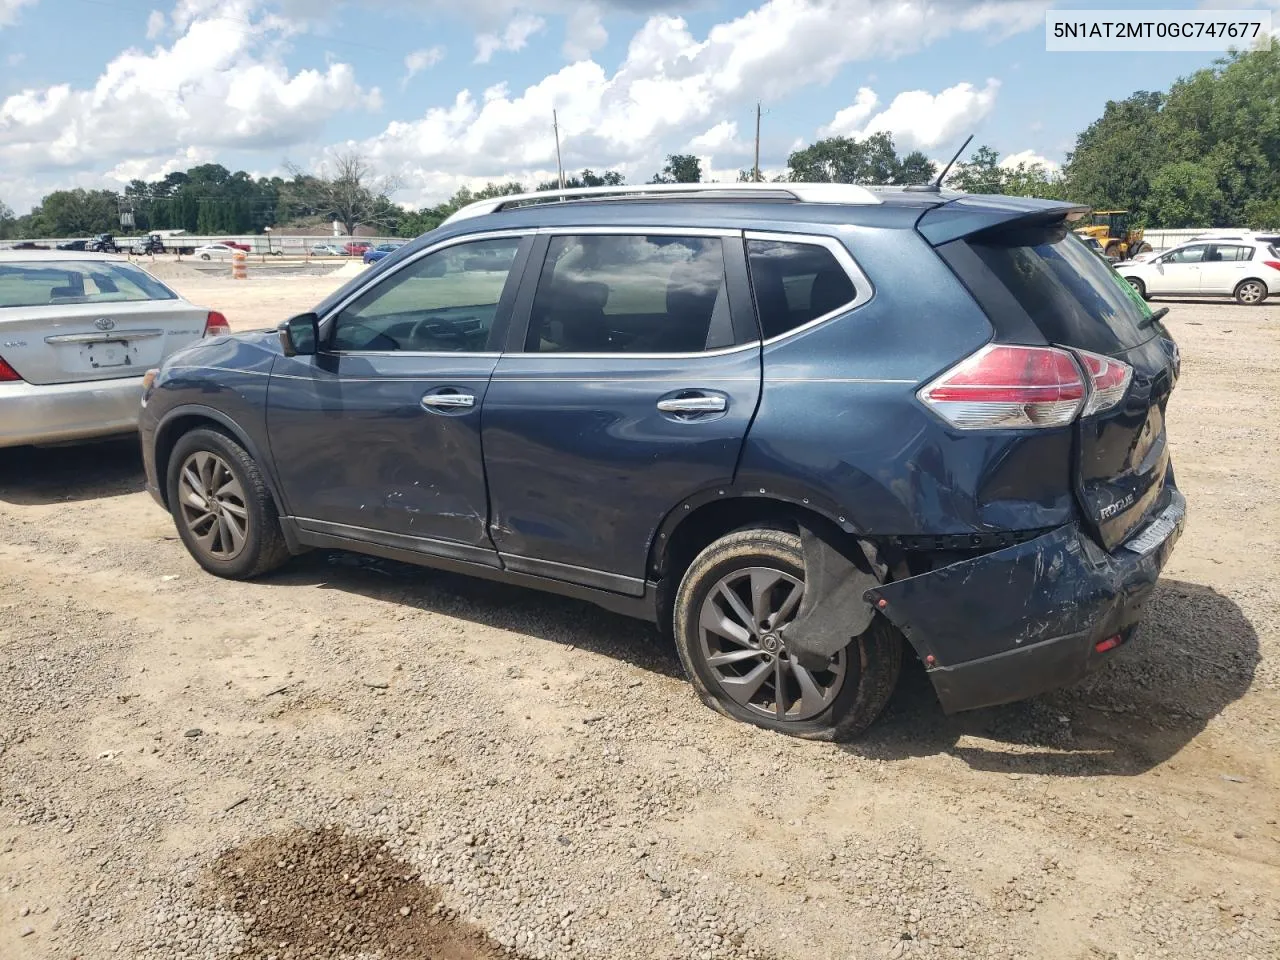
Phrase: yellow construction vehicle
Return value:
(1118, 239)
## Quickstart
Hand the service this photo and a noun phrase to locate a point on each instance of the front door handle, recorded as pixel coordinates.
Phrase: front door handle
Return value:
(693, 405)
(448, 401)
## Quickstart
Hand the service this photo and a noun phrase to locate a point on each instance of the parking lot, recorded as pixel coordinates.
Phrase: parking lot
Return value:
(201, 768)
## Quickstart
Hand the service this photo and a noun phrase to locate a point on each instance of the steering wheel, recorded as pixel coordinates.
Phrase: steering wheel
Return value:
(451, 330)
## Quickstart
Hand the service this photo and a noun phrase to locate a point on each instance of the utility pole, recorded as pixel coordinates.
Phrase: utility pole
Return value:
(555, 125)
(757, 170)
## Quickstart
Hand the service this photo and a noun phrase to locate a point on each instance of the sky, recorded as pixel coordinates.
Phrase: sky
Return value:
(440, 93)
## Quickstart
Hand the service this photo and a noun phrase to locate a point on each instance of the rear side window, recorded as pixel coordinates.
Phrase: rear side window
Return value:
(631, 294)
(795, 283)
(1073, 297)
(35, 283)
(1231, 254)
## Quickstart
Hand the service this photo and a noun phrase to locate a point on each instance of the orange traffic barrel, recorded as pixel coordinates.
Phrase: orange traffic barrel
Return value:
(239, 265)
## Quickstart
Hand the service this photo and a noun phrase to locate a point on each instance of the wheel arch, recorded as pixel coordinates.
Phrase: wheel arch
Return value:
(182, 420)
(710, 514)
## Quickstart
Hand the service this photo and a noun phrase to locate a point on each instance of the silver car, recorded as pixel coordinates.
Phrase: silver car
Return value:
(77, 333)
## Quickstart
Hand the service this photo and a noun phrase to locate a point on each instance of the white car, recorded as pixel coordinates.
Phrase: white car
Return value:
(327, 250)
(1245, 269)
(78, 331)
(215, 251)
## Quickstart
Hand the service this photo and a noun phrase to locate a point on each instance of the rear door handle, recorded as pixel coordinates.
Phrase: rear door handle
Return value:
(448, 401)
(693, 405)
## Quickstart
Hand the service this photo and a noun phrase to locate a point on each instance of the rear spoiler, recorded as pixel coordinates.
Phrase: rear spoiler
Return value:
(974, 213)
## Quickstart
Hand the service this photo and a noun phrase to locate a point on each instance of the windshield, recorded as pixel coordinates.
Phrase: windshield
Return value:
(38, 283)
(1074, 297)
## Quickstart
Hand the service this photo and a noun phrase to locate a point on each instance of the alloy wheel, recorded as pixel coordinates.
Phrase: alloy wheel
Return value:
(1250, 292)
(744, 646)
(213, 505)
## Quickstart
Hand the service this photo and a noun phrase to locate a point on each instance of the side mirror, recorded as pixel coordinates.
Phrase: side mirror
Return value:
(299, 335)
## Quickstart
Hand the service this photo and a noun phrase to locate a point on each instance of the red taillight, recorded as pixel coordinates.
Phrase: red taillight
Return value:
(1003, 386)
(7, 373)
(1273, 264)
(216, 325)
(1109, 379)
(1102, 646)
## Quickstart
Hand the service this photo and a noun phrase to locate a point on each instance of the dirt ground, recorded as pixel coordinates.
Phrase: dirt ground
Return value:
(358, 758)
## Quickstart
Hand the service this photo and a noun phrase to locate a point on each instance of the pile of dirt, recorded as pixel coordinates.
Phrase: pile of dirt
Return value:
(328, 893)
(352, 268)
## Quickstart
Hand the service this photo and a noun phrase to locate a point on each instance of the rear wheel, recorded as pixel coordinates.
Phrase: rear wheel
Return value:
(1251, 292)
(223, 510)
(731, 613)
(1139, 286)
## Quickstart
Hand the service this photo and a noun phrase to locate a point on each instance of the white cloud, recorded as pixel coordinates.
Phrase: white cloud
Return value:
(155, 24)
(723, 134)
(849, 121)
(584, 32)
(1030, 158)
(219, 85)
(672, 86)
(420, 60)
(917, 118)
(514, 37)
(153, 168)
(9, 10)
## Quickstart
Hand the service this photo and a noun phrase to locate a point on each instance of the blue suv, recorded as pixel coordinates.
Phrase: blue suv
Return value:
(801, 427)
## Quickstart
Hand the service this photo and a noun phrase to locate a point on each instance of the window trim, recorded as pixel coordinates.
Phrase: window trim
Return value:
(863, 291)
(524, 309)
(329, 319)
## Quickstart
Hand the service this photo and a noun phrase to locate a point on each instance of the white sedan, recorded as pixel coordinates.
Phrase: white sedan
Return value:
(215, 251)
(78, 331)
(1245, 269)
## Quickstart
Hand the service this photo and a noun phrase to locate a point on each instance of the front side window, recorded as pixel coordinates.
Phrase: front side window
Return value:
(631, 294)
(795, 283)
(35, 283)
(1187, 255)
(444, 302)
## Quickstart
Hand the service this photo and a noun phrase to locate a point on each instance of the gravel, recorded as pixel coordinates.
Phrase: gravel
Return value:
(529, 776)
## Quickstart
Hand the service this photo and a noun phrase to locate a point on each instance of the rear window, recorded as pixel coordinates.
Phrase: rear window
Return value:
(1071, 295)
(37, 284)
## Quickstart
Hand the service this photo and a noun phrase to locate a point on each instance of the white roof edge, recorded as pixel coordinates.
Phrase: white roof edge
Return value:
(804, 192)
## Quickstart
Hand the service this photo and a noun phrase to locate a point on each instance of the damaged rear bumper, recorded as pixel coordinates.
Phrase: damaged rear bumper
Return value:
(1028, 618)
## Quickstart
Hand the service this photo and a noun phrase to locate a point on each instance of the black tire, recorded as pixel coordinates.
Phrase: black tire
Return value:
(1143, 247)
(1250, 293)
(204, 256)
(263, 547)
(871, 662)
(1139, 286)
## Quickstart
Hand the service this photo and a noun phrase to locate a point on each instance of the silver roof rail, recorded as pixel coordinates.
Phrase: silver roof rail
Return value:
(803, 192)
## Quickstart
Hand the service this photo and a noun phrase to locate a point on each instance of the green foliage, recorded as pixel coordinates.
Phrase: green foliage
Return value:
(872, 160)
(588, 178)
(1186, 194)
(69, 213)
(680, 168)
(1206, 154)
(982, 173)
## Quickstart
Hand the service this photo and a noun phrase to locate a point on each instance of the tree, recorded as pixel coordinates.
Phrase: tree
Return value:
(1186, 194)
(428, 218)
(348, 192)
(1114, 157)
(980, 174)
(588, 178)
(680, 168)
(7, 221)
(915, 167)
(871, 160)
(69, 213)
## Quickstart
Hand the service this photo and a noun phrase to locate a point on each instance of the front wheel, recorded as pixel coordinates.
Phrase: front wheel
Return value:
(205, 256)
(1251, 293)
(222, 507)
(1139, 287)
(731, 611)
